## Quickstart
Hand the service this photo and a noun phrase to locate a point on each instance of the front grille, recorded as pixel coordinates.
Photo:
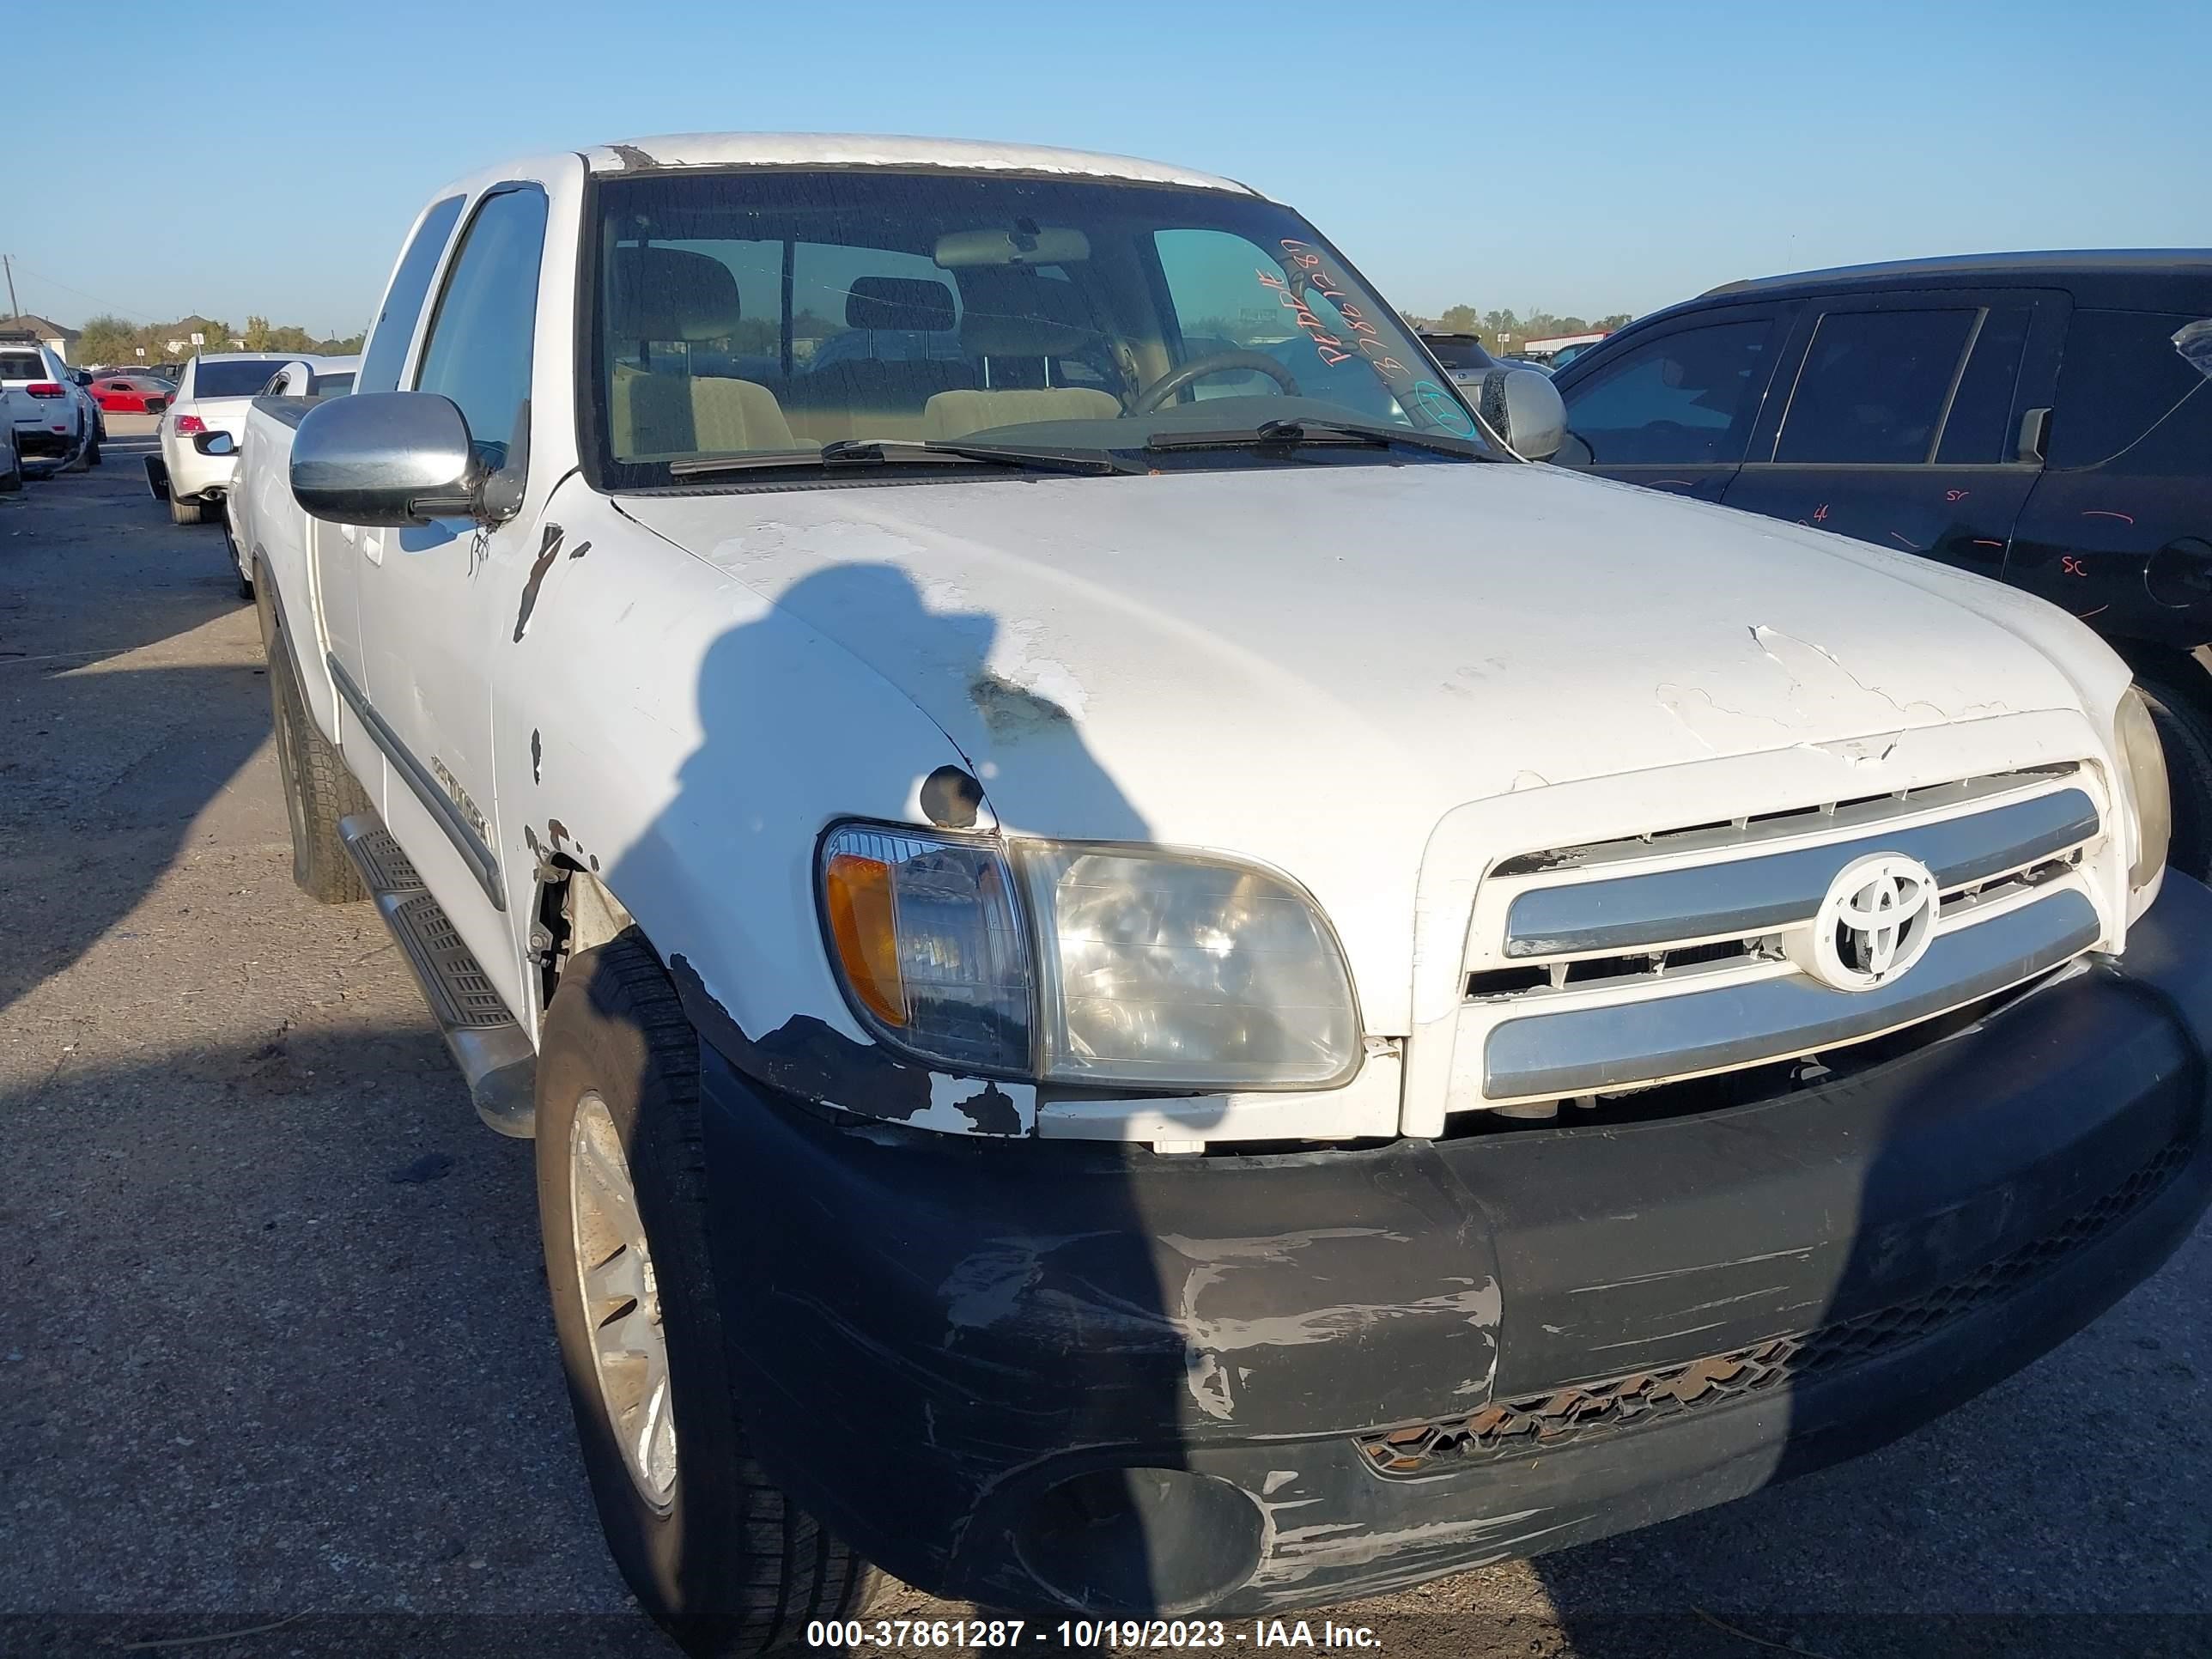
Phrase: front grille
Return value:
(1561, 1416)
(1616, 965)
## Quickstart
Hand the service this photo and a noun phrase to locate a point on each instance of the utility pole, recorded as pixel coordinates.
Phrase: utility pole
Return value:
(8, 262)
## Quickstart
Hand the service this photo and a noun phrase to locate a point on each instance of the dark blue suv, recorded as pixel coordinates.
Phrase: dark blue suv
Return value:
(2040, 418)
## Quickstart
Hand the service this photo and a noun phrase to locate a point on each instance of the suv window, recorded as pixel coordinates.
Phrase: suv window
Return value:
(402, 301)
(477, 352)
(1979, 431)
(2122, 375)
(1873, 387)
(1687, 399)
(22, 366)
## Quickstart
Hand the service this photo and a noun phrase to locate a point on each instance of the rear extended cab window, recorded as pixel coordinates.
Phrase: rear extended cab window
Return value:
(387, 352)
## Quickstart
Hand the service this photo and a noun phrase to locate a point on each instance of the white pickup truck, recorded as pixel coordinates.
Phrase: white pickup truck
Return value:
(1166, 980)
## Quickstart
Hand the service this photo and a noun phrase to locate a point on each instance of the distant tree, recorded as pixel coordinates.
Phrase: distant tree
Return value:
(258, 334)
(108, 339)
(1460, 319)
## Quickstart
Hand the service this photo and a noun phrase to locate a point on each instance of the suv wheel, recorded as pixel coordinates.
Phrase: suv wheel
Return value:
(2184, 718)
(712, 1549)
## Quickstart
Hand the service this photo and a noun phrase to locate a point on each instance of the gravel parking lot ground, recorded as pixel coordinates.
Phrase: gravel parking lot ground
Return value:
(273, 1340)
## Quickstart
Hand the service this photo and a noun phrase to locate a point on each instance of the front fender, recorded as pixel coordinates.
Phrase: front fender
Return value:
(687, 741)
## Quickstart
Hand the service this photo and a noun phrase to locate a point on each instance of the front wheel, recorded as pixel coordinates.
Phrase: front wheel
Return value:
(712, 1548)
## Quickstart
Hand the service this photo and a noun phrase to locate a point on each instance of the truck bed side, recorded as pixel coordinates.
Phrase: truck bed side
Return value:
(278, 541)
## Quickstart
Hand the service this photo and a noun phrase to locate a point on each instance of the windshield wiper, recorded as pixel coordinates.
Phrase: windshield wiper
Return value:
(863, 452)
(1309, 430)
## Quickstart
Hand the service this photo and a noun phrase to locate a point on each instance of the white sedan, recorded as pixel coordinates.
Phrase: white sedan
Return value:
(193, 471)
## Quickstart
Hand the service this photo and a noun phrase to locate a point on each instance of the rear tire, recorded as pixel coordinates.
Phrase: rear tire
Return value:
(318, 791)
(720, 1559)
(2184, 718)
(187, 512)
(237, 563)
(92, 453)
(12, 479)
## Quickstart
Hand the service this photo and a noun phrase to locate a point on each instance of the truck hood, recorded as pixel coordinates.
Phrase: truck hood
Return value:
(1312, 664)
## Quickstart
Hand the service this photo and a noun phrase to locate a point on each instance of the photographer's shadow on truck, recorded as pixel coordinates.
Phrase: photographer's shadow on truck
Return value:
(1153, 977)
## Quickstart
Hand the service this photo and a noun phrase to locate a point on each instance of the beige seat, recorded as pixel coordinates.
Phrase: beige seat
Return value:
(662, 295)
(659, 414)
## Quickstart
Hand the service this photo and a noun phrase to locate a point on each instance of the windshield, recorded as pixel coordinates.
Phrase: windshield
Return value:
(736, 314)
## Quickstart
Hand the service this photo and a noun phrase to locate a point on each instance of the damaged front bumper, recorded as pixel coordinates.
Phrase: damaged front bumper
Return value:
(1068, 1375)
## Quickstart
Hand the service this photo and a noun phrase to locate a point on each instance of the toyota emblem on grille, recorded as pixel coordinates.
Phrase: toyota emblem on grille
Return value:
(1878, 919)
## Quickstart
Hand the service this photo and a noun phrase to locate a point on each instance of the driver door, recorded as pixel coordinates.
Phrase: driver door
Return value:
(1676, 411)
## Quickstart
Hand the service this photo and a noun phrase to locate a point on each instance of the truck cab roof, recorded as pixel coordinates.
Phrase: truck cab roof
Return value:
(827, 149)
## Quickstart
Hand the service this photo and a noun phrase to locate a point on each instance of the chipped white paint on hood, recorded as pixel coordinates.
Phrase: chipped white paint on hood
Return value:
(1311, 666)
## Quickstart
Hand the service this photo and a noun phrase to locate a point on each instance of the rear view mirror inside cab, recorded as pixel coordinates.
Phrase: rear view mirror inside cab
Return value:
(1024, 245)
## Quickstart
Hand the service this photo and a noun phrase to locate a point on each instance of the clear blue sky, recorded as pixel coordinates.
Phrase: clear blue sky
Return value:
(1593, 157)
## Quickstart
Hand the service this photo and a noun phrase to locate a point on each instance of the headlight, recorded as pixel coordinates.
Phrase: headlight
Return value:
(1119, 965)
(2144, 760)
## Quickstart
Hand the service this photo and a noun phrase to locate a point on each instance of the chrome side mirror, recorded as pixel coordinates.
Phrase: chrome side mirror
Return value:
(1525, 409)
(384, 458)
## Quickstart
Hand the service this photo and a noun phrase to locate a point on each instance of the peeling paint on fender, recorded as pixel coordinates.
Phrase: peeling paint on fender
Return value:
(808, 1057)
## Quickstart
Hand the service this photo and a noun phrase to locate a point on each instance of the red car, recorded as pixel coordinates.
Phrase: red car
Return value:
(131, 394)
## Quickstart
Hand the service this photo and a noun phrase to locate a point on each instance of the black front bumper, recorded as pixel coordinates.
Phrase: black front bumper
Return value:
(953, 1350)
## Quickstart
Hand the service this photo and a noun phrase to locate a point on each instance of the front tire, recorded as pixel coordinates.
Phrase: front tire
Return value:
(2184, 718)
(711, 1547)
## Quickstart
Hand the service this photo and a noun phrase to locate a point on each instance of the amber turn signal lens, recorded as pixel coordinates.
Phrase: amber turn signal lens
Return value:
(857, 892)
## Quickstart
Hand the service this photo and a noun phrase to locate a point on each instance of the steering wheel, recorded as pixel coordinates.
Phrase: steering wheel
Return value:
(1219, 363)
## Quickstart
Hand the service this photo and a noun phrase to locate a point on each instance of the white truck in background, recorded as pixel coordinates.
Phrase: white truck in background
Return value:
(297, 386)
(1153, 1004)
